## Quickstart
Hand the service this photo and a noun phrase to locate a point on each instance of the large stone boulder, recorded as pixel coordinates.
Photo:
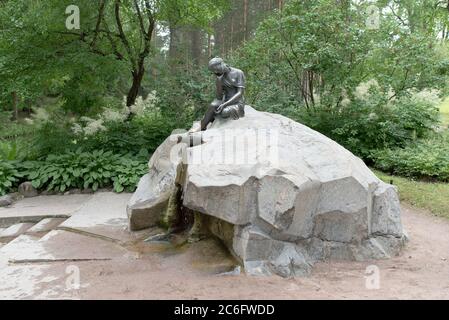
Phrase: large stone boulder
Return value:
(280, 195)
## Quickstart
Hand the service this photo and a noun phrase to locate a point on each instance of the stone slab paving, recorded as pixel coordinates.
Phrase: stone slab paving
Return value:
(14, 231)
(2, 243)
(21, 282)
(104, 216)
(35, 266)
(45, 225)
(31, 261)
(60, 245)
(18, 282)
(37, 208)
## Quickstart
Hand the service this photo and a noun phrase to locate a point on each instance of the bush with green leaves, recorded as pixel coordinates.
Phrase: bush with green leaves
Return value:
(84, 170)
(119, 129)
(370, 120)
(141, 132)
(425, 159)
(9, 176)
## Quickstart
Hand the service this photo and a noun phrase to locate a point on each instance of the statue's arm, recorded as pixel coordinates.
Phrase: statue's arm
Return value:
(240, 84)
(234, 98)
(219, 90)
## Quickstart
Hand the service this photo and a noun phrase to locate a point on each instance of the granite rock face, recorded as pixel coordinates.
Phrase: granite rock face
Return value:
(153, 191)
(280, 195)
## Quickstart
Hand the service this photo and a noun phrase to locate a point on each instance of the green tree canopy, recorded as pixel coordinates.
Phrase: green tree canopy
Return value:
(39, 55)
(321, 50)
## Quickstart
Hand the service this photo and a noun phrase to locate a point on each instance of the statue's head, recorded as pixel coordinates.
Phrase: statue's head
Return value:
(217, 66)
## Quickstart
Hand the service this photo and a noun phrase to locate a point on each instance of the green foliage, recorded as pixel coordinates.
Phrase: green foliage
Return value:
(113, 130)
(444, 111)
(132, 136)
(9, 176)
(50, 138)
(313, 53)
(8, 151)
(373, 122)
(312, 62)
(82, 66)
(427, 158)
(109, 130)
(58, 64)
(83, 170)
(11, 129)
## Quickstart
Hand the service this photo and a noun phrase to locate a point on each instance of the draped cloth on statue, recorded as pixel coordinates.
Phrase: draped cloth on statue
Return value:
(228, 85)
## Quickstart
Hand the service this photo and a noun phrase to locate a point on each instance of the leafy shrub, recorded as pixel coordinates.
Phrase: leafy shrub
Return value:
(55, 132)
(427, 158)
(50, 132)
(9, 176)
(139, 133)
(371, 122)
(113, 130)
(51, 137)
(83, 170)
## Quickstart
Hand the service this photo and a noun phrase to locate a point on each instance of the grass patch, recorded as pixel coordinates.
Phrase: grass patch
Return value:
(426, 195)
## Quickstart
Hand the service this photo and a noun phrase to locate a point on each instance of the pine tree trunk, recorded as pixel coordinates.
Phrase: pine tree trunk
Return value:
(209, 46)
(173, 50)
(245, 20)
(14, 105)
(223, 46)
(231, 36)
(196, 46)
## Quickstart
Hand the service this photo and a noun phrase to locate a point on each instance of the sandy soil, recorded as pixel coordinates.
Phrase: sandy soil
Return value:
(192, 272)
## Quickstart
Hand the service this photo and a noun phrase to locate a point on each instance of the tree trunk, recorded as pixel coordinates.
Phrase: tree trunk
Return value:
(245, 20)
(14, 106)
(280, 4)
(196, 46)
(209, 46)
(223, 44)
(217, 39)
(173, 51)
(231, 36)
(134, 90)
(307, 84)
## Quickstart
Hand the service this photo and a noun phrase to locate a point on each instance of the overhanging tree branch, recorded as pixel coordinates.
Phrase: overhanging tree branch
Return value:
(82, 36)
(99, 19)
(122, 35)
(110, 37)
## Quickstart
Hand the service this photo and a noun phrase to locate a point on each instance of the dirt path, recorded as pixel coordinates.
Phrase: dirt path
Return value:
(420, 272)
